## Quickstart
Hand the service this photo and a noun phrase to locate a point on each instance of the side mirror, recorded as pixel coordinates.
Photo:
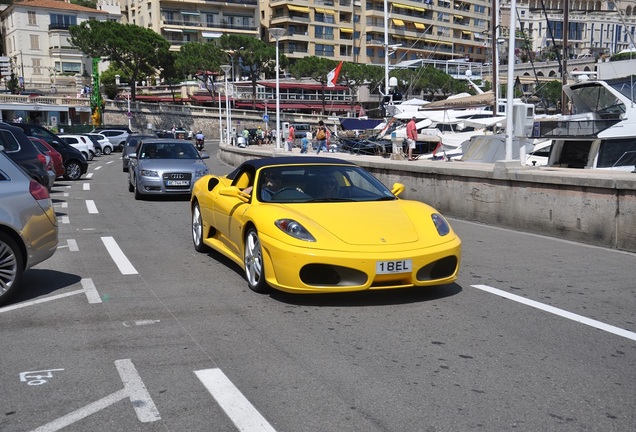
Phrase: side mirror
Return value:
(132, 155)
(204, 156)
(234, 192)
(397, 189)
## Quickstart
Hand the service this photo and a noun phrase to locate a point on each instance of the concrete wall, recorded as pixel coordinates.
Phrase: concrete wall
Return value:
(590, 206)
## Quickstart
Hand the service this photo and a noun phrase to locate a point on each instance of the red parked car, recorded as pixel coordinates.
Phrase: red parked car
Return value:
(46, 148)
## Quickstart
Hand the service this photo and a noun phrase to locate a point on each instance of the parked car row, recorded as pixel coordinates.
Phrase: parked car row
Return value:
(28, 224)
(31, 159)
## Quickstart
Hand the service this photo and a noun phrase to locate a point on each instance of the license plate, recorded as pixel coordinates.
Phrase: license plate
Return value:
(178, 183)
(390, 267)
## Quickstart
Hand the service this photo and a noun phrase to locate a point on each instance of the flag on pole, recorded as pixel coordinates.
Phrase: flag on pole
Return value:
(332, 76)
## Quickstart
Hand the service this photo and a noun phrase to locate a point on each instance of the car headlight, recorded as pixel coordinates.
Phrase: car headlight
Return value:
(441, 225)
(200, 173)
(294, 229)
(149, 173)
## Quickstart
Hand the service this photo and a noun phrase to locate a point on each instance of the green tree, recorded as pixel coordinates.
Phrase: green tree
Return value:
(355, 75)
(169, 72)
(437, 82)
(201, 61)
(316, 68)
(133, 49)
(252, 56)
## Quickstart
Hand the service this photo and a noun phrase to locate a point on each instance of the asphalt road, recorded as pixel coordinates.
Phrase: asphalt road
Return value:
(127, 328)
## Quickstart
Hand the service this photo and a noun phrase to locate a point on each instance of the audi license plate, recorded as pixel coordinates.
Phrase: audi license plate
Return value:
(390, 267)
(178, 183)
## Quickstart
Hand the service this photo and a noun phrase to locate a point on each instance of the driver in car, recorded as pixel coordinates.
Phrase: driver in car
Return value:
(272, 183)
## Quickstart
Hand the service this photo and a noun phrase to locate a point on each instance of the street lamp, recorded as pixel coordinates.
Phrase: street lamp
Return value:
(276, 33)
(226, 69)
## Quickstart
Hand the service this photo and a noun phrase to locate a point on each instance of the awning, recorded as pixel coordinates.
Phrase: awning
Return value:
(403, 6)
(419, 26)
(458, 17)
(346, 30)
(298, 8)
(190, 13)
(171, 30)
(211, 35)
(484, 99)
(398, 22)
(325, 11)
(466, 32)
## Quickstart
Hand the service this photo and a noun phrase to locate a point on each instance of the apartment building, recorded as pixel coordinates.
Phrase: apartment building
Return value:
(183, 21)
(595, 28)
(354, 30)
(35, 37)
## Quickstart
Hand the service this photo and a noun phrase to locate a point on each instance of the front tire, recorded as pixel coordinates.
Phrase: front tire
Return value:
(107, 150)
(197, 230)
(72, 170)
(11, 267)
(253, 262)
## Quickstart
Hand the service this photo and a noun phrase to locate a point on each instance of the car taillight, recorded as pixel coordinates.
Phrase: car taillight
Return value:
(42, 159)
(38, 191)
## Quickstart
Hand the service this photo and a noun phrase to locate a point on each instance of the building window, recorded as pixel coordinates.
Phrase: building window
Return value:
(32, 18)
(59, 21)
(35, 42)
(37, 67)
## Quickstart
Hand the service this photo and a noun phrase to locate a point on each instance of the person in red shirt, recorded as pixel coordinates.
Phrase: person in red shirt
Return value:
(411, 137)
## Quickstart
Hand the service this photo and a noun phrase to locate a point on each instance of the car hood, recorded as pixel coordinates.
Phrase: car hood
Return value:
(384, 223)
(172, 164)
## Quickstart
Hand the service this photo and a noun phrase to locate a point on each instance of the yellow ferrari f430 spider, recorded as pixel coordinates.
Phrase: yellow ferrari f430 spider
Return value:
(321, 225)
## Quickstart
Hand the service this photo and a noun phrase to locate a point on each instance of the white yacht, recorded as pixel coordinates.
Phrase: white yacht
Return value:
(601, 131)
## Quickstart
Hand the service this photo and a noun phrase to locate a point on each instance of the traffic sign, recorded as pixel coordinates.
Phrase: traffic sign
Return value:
(266, 118)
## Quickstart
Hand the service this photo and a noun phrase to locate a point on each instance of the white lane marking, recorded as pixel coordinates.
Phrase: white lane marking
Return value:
(72, 245)
(560, 312)
(91, 292)
(86, 186)
(139, 323)
(61, 205)
(83, 412)
(92, 208)
(64, 220)
(40, 300)
(97, 168)
(139, 396)
(236, 406)
(109, 162)
(134, 389)
(90, 175)
(125, 267)
(65, 194)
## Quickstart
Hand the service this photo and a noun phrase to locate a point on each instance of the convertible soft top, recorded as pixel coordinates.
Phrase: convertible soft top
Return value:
(256, 164)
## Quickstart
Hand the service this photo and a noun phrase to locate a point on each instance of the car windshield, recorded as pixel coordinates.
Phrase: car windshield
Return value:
(319, 183)
(169, 150)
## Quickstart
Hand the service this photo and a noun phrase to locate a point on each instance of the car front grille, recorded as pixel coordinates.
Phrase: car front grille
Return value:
(176, 181)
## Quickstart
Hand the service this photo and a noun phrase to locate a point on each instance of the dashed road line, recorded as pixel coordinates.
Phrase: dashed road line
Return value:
(86, 186)
(92, 208)
(231, 400)
(560, 312)
(91, 292)
(124, 265)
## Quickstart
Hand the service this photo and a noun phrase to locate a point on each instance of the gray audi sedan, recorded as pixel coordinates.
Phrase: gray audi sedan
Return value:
(28, 225)
(165, 167)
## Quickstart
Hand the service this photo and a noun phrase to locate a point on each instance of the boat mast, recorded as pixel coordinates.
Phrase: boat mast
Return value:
(494, 14)
(564, 69)
(386, 47)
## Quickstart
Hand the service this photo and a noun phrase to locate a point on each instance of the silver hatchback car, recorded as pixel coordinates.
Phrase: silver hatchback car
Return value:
(163, 166)
(28, 225)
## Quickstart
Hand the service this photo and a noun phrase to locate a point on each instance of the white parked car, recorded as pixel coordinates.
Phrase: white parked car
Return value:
(107, 146)
(82, 143)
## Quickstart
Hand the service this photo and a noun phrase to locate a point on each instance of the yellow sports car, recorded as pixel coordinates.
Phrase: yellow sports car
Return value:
(321, 225)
